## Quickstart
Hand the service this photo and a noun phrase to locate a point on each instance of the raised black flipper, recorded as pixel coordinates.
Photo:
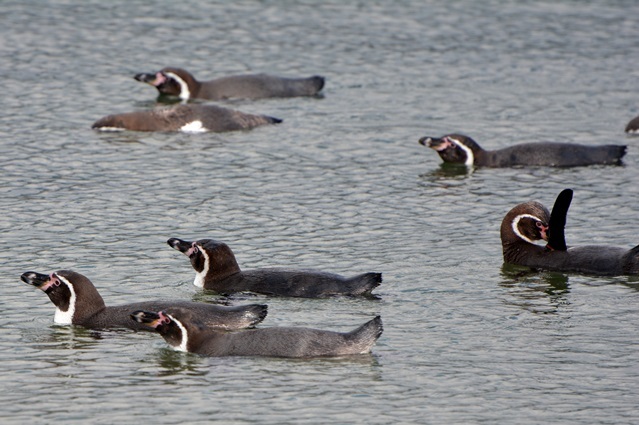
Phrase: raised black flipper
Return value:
(557, 222)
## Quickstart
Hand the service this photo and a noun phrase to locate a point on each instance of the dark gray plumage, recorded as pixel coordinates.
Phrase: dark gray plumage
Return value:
(528, 222)
(460, 149)
(183, 331)
(216, 269)
(188, 118)
(78, 302)
(179, 82)
(633, 125)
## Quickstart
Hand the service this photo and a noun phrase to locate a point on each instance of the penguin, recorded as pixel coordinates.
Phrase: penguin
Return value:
(188, 118)
(183, 331)
(216, 269)
(529, 223)
(460, 149)
(78, 302)
(181, 83)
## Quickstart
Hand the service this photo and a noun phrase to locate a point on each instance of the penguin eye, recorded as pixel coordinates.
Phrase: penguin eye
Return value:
(539, 224)
(195, 250)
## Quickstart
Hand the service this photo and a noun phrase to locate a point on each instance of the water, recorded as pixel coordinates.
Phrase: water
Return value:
(342, 185)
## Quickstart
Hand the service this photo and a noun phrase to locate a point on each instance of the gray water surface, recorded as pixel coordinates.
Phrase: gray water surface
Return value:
(341, 185)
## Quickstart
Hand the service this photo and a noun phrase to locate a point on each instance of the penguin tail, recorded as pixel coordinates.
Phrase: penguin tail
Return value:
(273, 120)
(618, 152)
(364, 337)
(364, 283)
(256, 313)
(631, 261)
(318, 82)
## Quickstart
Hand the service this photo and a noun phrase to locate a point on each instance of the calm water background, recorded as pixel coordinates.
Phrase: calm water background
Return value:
(341, 185)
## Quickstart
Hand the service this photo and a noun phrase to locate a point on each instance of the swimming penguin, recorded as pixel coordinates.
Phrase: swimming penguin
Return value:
(460, 149)
(78, 302)
(191, 118)
(216, 269)
(182, 330)
(179, 82)
(530, 222)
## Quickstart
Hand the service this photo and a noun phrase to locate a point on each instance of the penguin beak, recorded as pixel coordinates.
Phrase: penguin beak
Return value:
(151, 319)
(436, 144)
(543, 230)
(145, 77)
(36, 279)
(152, 79)
(425, 141)
(41, 281)
(180, 245)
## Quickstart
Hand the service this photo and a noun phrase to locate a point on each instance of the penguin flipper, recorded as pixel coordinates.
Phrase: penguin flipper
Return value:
(557, 222)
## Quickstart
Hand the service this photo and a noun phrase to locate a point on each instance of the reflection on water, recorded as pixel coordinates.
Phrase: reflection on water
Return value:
(631, 282)
(59, 337)
(540, 292)
(172, 362)
(447, 170)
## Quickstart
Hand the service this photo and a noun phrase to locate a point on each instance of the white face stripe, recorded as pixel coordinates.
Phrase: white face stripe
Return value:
(185, 335)
(184, 88)
(516, 221)
(201, 276)
(193, 127)
(470, 158)
(65, 317)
